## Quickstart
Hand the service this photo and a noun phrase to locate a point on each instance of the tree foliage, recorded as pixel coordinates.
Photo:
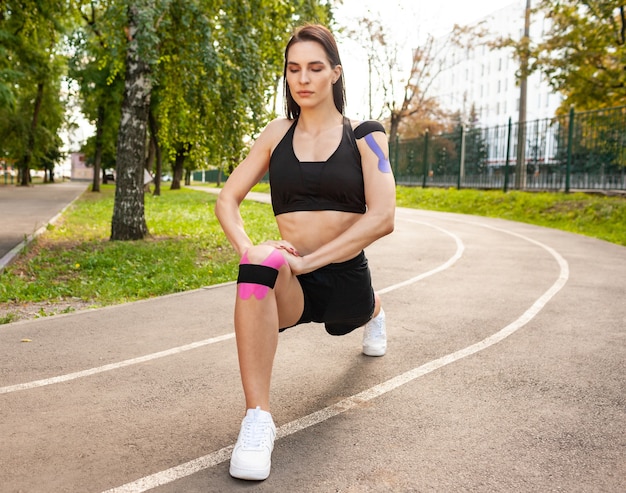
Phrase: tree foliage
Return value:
(212, 66)
(31, 67)
(189, 80)
(98, 77)
(583, 52)
(408, 104)
(216, 82)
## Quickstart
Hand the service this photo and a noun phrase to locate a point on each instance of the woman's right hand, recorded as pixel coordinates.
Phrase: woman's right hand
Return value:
(282, 245)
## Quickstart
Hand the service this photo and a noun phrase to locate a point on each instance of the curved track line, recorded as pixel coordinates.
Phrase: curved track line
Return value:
(169, 352)
(222, 455)
(113, 366)
(460, 248)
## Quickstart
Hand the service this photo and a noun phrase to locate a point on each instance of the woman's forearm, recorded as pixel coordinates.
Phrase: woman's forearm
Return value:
(369, 228)
(227, 212)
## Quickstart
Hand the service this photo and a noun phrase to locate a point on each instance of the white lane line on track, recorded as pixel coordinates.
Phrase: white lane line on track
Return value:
(213, 340)
(460, 248)
(113, 366)
(222, 455)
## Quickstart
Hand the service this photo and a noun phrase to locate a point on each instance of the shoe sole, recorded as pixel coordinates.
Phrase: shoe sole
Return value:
(250, 475)
(370, 351)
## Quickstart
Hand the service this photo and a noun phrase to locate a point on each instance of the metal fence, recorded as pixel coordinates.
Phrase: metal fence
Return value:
(208, 176)
(582, 151)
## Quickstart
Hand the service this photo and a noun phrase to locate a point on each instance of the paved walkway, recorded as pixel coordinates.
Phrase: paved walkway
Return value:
(25, 212)
(505, 372)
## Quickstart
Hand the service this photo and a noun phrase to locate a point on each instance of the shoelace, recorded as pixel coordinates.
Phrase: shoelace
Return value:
(375, 329)
(254, 432)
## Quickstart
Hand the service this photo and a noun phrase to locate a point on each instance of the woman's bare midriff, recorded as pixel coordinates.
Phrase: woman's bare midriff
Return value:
(309, 230)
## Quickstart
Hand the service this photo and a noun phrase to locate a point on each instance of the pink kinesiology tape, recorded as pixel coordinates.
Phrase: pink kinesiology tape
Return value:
(259, 290)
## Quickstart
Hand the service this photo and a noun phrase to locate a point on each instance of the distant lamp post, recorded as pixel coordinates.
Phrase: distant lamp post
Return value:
(520, 169)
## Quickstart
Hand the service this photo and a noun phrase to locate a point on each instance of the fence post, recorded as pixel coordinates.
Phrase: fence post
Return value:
(396, 152)
(570, 145)
(461, 159)
(426, 166)
(508, 152)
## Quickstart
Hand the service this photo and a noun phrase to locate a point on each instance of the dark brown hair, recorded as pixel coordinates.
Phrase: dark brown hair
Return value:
(321, 35)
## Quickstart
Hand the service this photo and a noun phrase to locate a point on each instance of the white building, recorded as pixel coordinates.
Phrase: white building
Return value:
(79, 169)
(486, 78)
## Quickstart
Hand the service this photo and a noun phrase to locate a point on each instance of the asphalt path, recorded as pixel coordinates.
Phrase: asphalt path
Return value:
(505, 372)
(26, 211)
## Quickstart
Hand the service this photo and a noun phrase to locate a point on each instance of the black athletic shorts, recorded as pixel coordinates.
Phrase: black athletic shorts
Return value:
(339, 295)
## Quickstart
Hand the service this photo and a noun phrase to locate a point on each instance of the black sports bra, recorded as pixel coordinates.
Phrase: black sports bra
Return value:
(335, 184)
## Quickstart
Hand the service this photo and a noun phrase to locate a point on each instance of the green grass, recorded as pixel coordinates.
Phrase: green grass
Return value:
(187, 248)
(591, 215)
(75, 259)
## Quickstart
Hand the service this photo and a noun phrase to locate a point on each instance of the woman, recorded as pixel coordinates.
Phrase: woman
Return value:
(333, 194)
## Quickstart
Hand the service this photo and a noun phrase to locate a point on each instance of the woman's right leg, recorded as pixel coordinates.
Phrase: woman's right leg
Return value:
(259, 312)
(375, 332)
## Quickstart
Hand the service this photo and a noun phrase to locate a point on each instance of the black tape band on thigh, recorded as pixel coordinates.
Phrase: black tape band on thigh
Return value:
(257, 274)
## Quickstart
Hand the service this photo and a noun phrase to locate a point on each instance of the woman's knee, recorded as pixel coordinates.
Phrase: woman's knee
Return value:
(257, 254)
(258, 271)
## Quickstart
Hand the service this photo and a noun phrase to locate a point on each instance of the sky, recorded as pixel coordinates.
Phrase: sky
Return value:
(433, 16)
(408, 21)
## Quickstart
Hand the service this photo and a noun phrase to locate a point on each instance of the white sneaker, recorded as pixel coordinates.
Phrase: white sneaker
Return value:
(252, 455)
(375, 336)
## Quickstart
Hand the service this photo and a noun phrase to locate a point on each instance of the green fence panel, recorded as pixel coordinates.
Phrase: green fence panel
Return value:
(581, 151)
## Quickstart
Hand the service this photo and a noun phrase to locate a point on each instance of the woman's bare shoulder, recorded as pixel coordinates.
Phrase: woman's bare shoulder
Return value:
(274, 132)
(373, 124)
(278, 127)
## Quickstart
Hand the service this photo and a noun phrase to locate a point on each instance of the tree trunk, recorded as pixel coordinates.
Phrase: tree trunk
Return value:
(157, 152)
(30, 147)
(149, 164)
(129, 221)
(177, 171)
(179, 162)
(95, 187)
(395, 124)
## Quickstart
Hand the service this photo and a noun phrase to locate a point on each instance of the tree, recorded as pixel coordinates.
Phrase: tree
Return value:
(475, 162)
(185, 97)
(583, 52)
(31, 106)
(406, 99)
(414, 102)
(8, 74)
(129, 222)
(97, 74)
(216, 82)
(209, 69)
